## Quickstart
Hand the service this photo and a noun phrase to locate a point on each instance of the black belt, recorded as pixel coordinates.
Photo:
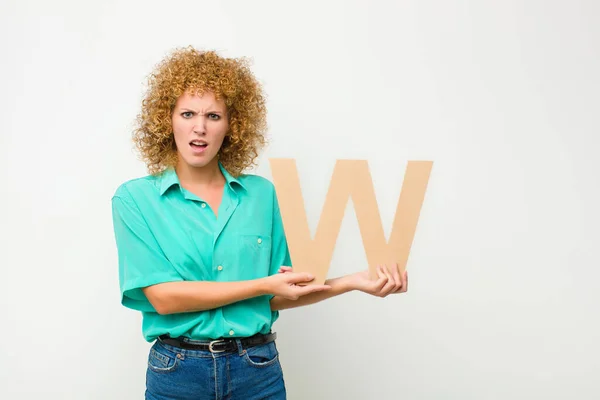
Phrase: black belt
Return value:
(219, 345)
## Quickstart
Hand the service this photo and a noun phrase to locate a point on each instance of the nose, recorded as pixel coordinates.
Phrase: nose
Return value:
(200, 125)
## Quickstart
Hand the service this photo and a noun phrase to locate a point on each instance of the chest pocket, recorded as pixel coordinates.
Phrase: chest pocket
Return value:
(254, 255)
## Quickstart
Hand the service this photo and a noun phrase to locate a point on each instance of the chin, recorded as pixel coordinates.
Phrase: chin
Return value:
(194, 162)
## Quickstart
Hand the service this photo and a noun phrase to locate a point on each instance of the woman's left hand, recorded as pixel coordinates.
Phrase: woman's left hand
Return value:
(389, 281)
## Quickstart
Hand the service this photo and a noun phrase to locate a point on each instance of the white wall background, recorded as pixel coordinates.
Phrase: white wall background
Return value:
(503, 96)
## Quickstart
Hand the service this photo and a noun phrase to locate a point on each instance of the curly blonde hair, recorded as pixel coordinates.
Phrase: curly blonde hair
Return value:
(194, 71)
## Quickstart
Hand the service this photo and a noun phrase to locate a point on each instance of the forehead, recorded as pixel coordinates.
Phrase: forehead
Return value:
(200, 100)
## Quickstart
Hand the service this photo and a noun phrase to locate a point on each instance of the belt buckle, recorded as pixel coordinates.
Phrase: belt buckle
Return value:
(211, 346)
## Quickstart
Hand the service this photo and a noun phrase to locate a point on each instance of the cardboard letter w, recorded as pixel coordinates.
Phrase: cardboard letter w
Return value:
(350, 179)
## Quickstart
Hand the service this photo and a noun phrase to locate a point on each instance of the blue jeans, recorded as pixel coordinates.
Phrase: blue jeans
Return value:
(249, 374)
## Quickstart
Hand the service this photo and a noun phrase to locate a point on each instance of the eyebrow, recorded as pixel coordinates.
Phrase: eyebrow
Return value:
(212, 111)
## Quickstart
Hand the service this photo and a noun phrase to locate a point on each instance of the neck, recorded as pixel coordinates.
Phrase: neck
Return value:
(208, 175)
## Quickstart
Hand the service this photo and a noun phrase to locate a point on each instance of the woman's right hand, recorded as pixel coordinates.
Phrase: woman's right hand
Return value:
(286, 284)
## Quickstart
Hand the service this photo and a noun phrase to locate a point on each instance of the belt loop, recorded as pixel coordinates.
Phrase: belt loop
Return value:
(241, 350)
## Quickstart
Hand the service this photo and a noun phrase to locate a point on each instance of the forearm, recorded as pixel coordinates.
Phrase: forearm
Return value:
(190, 296)
(339, 286)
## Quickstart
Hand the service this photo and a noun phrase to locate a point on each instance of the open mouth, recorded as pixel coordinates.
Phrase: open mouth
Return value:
(198, 145)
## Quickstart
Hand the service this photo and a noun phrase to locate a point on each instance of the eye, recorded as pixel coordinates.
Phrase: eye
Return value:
(187, 114)
(214, 116)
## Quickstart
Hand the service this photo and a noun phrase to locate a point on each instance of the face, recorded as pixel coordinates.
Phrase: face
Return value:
(199, 126)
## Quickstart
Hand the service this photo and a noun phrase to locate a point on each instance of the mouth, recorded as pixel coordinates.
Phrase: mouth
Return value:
(198, 145)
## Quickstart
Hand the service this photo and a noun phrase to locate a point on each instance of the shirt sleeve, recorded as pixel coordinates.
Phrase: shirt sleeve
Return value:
(141, 260)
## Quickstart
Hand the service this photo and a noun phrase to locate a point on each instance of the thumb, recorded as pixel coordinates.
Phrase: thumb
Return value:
(296, 277)
(304, 290)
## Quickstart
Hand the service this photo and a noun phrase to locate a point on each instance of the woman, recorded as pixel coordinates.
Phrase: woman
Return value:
(201, 246)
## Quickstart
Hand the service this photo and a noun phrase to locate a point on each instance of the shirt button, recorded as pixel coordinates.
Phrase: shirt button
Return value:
(231, 332)
(220, 268)
(203, 205)
(259, 240)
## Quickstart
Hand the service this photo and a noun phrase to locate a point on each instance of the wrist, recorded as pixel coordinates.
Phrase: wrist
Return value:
(342, 284)
(263, 286)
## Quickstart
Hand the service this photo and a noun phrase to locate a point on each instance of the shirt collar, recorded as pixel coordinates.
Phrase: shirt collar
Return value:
(169, 178)
(231, 181)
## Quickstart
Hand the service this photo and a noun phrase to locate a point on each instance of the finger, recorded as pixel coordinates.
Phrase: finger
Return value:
(381, 278)
(380, 283)
(404, 282)
(299, 277)
(398, 281)
(389, 286)
(304, 290)
(284, 269)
